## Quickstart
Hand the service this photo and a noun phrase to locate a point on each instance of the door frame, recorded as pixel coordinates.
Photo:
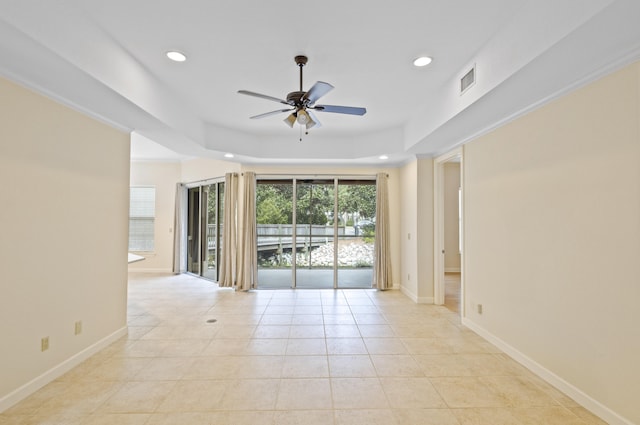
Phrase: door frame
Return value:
(438, 240)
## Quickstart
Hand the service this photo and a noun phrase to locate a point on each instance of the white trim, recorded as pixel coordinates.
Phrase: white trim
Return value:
(416, 299)
(425, 300)
(570, 390)
(452, 269)
(438, 225)
(35, 384)
(413, 297)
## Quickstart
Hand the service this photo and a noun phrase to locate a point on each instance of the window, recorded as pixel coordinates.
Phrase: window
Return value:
(142, 212)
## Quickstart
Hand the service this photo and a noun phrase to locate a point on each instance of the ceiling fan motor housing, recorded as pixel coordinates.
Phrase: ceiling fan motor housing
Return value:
(295, 98)
(301, 60)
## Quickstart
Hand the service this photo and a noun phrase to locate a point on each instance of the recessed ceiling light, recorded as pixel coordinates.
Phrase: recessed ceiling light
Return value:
(422, 61)
(176, 56)
(383, 157)
(228, 155)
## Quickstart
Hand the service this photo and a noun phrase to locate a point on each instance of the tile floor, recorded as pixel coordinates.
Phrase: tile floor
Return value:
(307, 357)
(452, 291)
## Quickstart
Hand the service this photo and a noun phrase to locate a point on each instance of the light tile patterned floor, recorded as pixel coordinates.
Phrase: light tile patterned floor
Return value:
(307, 357)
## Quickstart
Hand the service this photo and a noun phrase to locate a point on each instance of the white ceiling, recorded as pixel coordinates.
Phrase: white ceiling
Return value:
(107, 59)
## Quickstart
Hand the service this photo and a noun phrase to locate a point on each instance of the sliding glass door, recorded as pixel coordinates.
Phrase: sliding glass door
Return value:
(315, 233)
(274, 219)
(204, 229)
(357, 215)
(315, 254)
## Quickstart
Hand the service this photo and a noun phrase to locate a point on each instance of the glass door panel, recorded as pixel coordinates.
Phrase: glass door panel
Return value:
(274, 218)
(193, 231)
(210, 232)
(356, 233)
(315, 255)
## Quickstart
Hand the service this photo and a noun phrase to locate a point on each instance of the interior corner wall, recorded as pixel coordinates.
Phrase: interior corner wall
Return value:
(552, 242)
(451, 217)
(65, 200)
(163, 176)
(409, 230)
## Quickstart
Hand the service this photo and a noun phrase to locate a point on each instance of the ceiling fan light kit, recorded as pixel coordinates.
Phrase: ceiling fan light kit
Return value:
(301, 103)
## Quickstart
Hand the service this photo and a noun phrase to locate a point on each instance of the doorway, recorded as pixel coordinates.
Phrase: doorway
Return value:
(448, 241)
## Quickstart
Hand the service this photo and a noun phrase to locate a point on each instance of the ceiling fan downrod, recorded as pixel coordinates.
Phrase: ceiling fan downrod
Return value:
(301, 61)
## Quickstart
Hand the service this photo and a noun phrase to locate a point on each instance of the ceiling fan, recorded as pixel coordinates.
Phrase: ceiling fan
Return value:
(302, 103)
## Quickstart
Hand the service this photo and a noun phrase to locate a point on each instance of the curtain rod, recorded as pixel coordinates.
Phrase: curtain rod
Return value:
(205, 181)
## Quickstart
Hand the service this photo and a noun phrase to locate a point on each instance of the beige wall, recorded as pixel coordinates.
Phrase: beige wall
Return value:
(204, 168)
(64, 212)
(425, 235)
(451, 225)
(163, 176)
(552, 233)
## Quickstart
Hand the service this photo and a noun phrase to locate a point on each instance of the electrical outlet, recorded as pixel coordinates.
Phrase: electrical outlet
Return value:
(44, 343)
(78, 329)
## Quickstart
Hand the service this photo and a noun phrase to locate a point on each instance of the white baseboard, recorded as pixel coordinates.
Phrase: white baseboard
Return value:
(35, 384)
(413, 297)
(416, 299)
(425, 300)
(589, 403)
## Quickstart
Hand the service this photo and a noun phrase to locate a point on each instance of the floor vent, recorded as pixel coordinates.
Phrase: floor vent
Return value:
(468, 80)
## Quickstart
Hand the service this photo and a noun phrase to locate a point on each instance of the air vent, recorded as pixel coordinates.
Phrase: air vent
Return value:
(468, 80)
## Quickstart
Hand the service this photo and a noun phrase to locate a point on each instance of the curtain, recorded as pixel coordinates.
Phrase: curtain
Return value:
(228, 254)
(382, 260)
(248, 265)
(179, 230)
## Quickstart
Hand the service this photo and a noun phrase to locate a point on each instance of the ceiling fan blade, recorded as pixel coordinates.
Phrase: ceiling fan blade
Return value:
(316, 91)
(263, 96)
(268, 114)
(341, 109)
